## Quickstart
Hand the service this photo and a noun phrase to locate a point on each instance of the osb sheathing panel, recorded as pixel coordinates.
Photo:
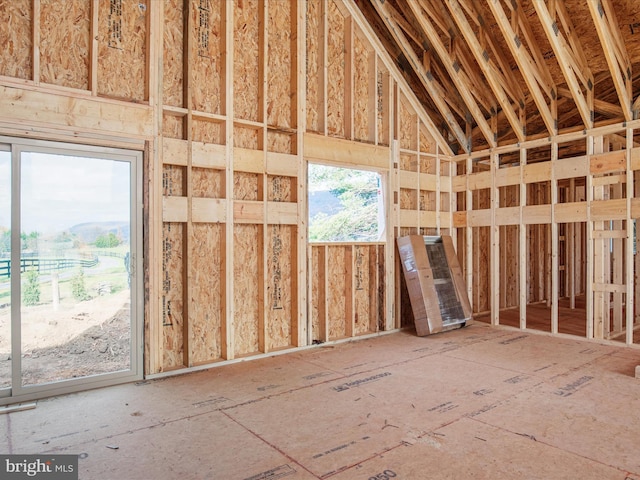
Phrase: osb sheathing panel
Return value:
(245, 186)
(427, 164)
(336, 71)
(172, 58)
(206, 257)
(362, 78)
(65, 42)
(337, 286)
(247, 259)
(280, 57)
(207, 56)
(16, 25)
(427, 144)
(407, 132)
(279, 302)
(247, 55)
(208, 132)
(172, 126)
(363, 273)
(173, 179)
(281, 189)
(122, 49)
(408, 199)
(207, 183)
(427, 200)
(172, 294)
(246, 138)
(281, 142)
(316, 268)
(314, 105)
(408, 162)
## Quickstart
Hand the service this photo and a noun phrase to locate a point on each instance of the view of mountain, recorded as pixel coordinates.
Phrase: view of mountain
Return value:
(88, 232)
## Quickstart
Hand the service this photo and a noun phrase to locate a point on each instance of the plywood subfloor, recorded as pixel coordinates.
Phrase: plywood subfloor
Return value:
(479, 402)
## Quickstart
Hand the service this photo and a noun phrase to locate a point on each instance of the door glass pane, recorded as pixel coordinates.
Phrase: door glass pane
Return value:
(5, 272)
(75, 248)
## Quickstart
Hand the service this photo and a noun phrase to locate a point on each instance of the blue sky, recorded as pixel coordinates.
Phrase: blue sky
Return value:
(60, 191)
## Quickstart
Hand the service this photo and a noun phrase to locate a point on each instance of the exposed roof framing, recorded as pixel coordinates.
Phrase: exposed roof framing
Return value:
(570, 57)
(493, 69)
(615, 51)
(497, 72)
(435, 90)
(528, 58)
(424, 15)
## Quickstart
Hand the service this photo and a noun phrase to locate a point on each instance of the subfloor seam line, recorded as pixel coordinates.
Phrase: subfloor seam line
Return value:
(289, 457)
(533, 438)
(360, 462)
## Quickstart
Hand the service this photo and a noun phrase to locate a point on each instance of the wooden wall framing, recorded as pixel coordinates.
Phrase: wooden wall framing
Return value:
(562, 229)
(229, 100)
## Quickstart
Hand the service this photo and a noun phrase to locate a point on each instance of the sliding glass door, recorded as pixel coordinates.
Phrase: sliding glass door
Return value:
(5, 268)
(70, 294)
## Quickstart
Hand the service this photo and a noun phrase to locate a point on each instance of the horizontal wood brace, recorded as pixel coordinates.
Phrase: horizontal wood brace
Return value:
(609, 288)
(597, 234)
(608, 162)
(609, 180)
(344, 152)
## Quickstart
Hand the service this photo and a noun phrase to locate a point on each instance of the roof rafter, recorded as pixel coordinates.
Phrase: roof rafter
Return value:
(615, 52)
(532, 75)
(453, 67)
(612, 110)
(483, 95)
(491, 71)
(565, 56)
(426, 78)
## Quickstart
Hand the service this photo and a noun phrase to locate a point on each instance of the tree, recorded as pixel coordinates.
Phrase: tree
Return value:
(107, 241)
(78, 288)
(31, 289)
(29, 241)
(5, 241)
(357, 192)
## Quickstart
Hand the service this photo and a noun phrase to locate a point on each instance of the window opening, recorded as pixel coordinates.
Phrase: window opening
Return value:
(345, 205)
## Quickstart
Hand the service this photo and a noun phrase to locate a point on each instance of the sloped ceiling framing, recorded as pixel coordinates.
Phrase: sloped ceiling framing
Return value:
(500, 72)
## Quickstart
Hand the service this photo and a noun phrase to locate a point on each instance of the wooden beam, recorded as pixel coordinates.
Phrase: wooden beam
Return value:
(426, 78)
(531, 73)
(605, 22)
(489, 69)
(457, 74)
(612, 110)
(565, 56)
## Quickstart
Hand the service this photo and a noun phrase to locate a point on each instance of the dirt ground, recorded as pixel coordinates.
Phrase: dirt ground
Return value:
(87, 338)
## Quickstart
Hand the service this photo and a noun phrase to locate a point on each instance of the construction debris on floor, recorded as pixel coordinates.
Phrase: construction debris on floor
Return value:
(478, 402)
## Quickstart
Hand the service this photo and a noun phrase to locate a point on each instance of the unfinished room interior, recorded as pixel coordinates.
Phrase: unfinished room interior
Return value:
(170, 313)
